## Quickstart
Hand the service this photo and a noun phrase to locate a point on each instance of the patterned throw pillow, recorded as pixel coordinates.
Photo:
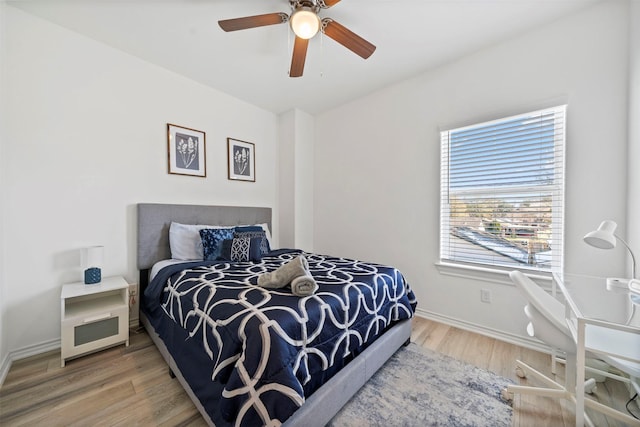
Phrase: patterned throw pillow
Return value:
(212, 239)
(241, 249)
(254, 232)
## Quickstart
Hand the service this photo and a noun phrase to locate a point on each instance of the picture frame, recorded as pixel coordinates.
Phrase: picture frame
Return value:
(241, 160)
(186, 151)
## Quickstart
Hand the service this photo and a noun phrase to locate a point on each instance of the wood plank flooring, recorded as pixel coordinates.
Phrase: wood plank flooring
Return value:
(127, 386)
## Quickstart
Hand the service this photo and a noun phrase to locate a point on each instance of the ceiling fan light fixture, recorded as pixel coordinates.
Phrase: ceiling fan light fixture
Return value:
(305, 23)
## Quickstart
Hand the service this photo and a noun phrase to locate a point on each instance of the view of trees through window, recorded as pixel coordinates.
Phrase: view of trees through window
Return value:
(515, 227)
(502, 189)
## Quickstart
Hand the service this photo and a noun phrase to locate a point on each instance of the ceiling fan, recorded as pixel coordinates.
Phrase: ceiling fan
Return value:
(305, 23)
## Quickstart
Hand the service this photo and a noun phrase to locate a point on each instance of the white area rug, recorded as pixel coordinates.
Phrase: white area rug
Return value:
(419, 387)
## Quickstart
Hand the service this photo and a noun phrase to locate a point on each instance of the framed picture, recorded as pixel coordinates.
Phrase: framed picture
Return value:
(186, 151)
(242, 160)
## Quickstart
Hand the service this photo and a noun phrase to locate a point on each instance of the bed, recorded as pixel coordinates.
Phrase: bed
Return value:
(247, 355)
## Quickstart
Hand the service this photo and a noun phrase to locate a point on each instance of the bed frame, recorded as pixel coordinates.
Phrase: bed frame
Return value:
(153, 245)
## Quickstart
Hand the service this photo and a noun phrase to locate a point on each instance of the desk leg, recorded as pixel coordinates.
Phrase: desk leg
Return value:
(579, 374)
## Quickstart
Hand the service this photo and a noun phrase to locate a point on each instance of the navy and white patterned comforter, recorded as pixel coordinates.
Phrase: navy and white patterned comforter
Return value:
(251, 355)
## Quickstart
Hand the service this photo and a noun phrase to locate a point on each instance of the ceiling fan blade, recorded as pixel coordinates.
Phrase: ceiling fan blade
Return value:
(347, 38)
(253, 21)
(325, 4)
(299, 56)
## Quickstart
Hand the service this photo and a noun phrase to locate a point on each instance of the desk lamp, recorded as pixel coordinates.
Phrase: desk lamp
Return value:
(605, 238)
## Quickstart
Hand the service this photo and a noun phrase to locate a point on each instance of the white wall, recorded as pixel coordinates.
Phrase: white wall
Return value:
(84, 141)
(295, 179)
(286, 175)
(304, 151)
(377, 159)
(633, 208)
(3, 336)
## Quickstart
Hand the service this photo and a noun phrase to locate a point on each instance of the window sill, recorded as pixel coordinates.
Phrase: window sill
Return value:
(487, 274)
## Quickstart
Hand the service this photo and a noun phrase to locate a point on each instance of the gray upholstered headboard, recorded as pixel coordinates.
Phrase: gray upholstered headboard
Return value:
(154, 220)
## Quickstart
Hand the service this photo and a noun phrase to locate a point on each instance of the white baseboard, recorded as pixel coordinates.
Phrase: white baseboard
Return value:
(25, 352)
(4, 369)
(482, 330)
(36, 349)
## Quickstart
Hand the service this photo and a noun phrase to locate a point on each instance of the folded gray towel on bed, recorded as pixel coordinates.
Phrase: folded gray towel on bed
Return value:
(303, 286)
(284, 275)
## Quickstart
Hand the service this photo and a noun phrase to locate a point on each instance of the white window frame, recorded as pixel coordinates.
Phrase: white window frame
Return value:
(556, 189)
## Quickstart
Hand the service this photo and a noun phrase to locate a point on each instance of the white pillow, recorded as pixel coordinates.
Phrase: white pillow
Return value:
(186, 244)
(185, 241)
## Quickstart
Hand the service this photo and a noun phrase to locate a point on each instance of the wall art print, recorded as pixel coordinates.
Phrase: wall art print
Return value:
(242, 160)
(186, 151)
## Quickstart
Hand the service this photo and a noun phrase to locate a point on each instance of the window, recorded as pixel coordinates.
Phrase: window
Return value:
(502, 188)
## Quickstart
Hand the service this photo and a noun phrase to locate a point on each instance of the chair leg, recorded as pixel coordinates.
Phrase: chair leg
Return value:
(553, 389)
(590, 386)
(528, 370)
(507, 394)
(611, 412)
(523, 370)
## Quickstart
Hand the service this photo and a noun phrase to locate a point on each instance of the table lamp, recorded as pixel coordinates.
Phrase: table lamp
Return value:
(605, 238)
(92, 263)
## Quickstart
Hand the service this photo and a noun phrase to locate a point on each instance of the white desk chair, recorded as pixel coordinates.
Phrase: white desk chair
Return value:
(546, 322)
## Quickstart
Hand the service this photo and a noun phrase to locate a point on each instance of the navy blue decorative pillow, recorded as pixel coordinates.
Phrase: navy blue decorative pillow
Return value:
(241, 249)
(212, 241)
(243, 228)
(258, 233)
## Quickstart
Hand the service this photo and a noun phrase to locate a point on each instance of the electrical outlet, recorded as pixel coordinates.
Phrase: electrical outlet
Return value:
(485, 295)
(134, 305)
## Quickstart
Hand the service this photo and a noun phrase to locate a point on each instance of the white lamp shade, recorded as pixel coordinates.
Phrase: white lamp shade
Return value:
(305, 23)
(603, 237)
(92, 256)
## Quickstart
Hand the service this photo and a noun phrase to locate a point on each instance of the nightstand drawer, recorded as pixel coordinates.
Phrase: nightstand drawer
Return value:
(94, 332)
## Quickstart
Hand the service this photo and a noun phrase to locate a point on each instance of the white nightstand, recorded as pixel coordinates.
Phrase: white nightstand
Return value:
(94, 316)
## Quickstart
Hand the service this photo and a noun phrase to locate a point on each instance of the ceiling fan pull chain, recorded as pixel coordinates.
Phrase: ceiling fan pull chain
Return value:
(321, 53)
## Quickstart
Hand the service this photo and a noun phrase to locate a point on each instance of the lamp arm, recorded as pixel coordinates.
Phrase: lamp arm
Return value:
(633, 258)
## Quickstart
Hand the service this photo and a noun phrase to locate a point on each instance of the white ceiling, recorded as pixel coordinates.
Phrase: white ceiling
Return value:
(412, 36)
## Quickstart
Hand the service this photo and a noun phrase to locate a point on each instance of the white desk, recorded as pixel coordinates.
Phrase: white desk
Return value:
(604, 321)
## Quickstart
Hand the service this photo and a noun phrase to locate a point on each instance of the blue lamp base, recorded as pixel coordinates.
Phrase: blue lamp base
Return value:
(92, 276)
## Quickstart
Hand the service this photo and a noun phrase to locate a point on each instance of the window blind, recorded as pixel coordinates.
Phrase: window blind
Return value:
(502, 192)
